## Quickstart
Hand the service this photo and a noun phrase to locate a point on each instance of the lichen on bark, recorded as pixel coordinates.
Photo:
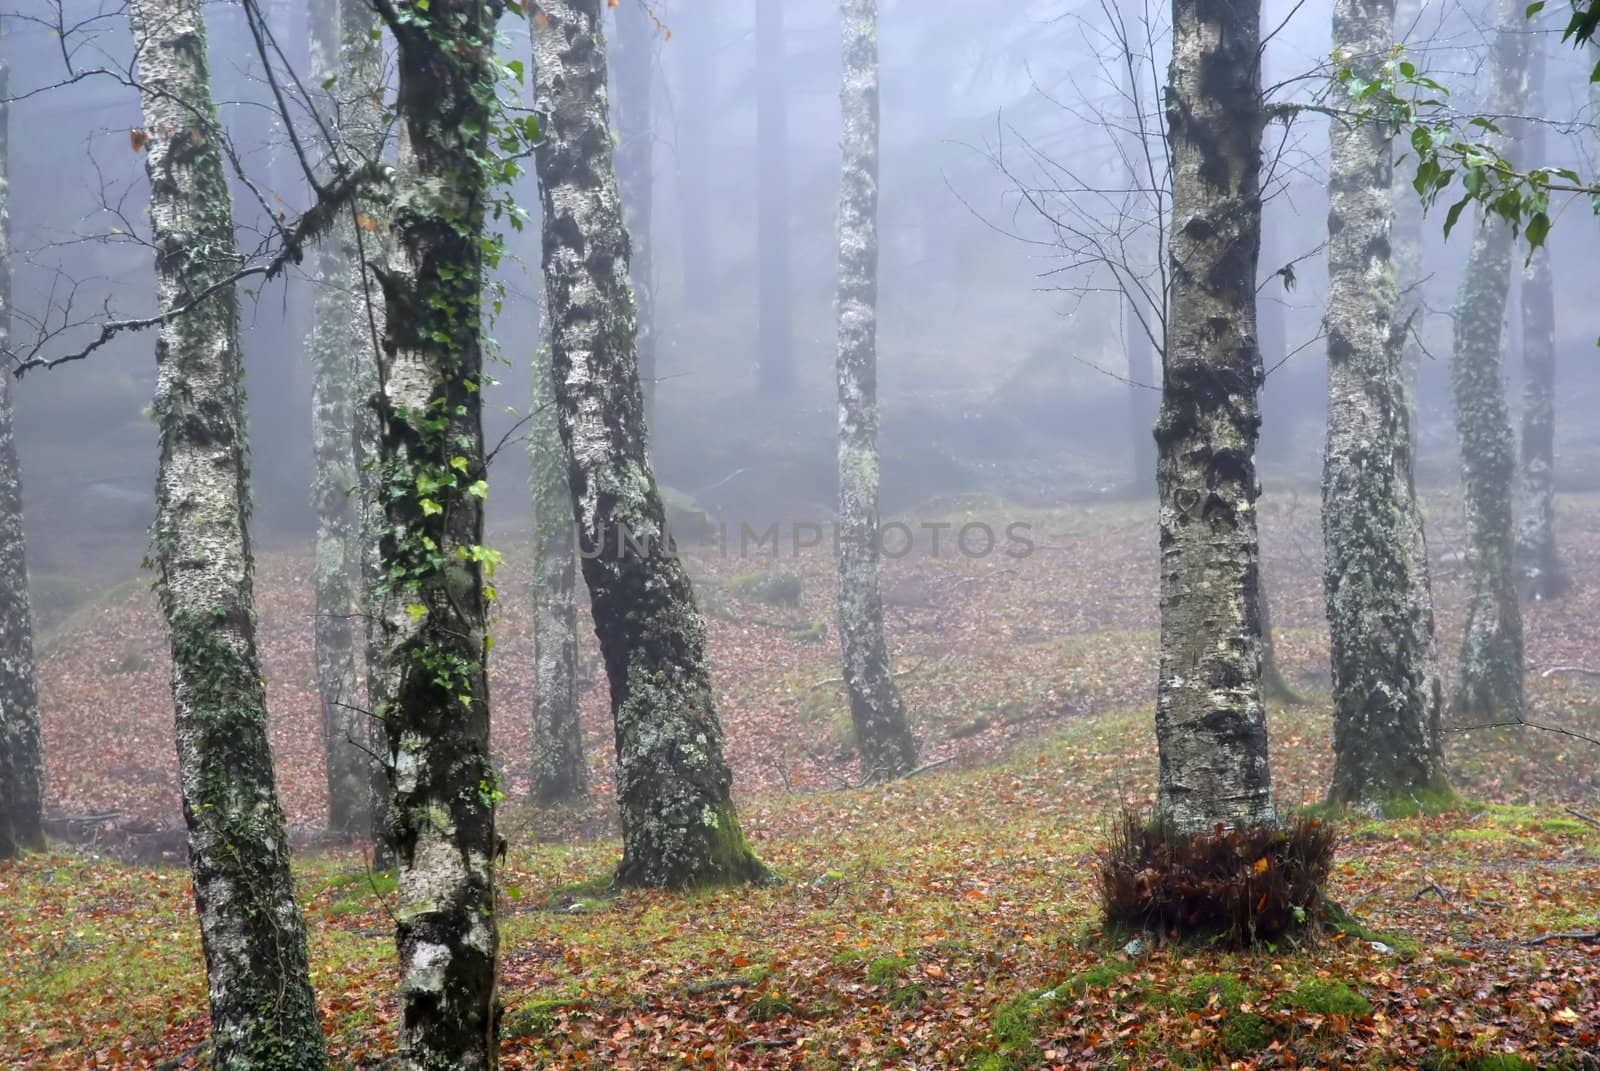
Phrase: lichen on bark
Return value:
(21, 753)
(1490, 666)
(334, 489)
(263, 1010)
(679, 825)
(432, 473)
(558, 767)
(882, 733)
(1210, 722)
(1386, 694)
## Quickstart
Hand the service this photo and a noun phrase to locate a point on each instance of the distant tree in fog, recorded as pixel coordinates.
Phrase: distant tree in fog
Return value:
(559, 773)
(21, 758)
(263, 1010)
(679, 824)
(1386, 690)
(883, 736)
(1489, 675)
(695, 54)
(334, 489)
(1211, 726)
(634, 73)
(1538, 563)
(775, 331)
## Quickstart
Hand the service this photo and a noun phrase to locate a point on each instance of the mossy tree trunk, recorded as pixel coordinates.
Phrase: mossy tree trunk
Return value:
(883, 736)
(263, 1011)
(21, 754)
(1489, 673)
(679, 826)
(775, 333)
(635, 79)
(1538, 562)
(434, 615)
(1386, 696)
(559, 772)
(334, 492)
(1210, 722)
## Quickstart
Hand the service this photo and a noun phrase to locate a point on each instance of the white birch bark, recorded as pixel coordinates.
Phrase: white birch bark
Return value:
(434, 699)
(1386, 697)
(1538, 561)
(21, 753)
(1210, 722)
(679, 824)
(334, 491)
(883, 735)
(263, 1011)
(1489, 675)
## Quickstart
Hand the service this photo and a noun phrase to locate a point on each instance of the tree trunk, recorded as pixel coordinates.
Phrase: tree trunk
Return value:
(1273, 335)
(695, 42)
(263, 1011)
(21, 755)
(883, 736)
(434, 693)
(1210, 723)
(775, 342)
(1489, 681)
(1538, 563)
(635, 77)
(1405, 244)
(559, 772)
(679, 826)
(1380, 606)
(333, 489)
(363, 135)
(1139, 319)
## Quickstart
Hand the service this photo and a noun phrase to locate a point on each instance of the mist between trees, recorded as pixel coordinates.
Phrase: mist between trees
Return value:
(1032, 510)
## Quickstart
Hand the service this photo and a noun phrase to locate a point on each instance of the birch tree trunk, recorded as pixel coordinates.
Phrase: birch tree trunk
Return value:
(1537, 561)
(1405, 244)
(434, 614)
(1386, 701)
(363, 134)
(635, 70)
(1210, 723)
(883, 736)
(333, 488)
(1489, 680)
(559, 771)
(679, 826)
(775, 342)
(263, 1011)
(21, 754)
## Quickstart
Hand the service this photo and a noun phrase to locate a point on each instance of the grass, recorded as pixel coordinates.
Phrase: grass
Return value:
(947, 921)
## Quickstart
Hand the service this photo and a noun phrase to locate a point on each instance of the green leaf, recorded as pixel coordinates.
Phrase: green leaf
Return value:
(1538, 227)
(1454, 214)
(1533, 9)
(429, 507)
(416, 610)
(478, 489)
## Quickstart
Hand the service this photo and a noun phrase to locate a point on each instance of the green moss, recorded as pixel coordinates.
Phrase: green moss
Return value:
(1427, 800)
(1099, 977)
(1243, 1033)
(1564, 826)
(772, 1004)
(777, 588)
(1211, 990)
(1339, 921)
(887, 970)
(1481, 836)
(1329, 996)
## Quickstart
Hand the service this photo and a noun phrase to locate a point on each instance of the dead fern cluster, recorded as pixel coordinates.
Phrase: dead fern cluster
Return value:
(1239, 886)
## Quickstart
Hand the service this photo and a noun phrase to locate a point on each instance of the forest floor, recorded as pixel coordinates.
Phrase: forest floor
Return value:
(947, 921)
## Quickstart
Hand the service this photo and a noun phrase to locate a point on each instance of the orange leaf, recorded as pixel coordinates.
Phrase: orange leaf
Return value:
(138, 139)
